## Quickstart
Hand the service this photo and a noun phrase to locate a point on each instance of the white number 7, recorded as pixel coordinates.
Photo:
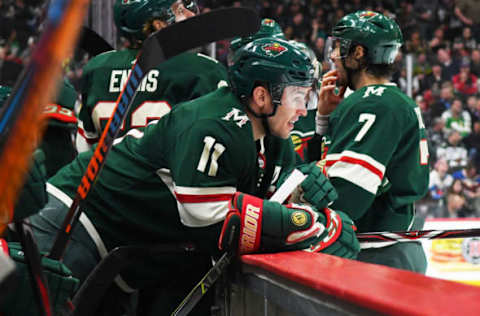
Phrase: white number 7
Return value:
(218, 149)
(369, 118)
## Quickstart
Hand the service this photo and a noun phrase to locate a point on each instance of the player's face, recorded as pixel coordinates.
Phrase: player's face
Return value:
(292, 106)
(182, 12)
(337, 62)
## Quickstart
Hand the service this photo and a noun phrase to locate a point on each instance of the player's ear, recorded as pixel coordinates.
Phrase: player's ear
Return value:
(359, 52)
(261, 97)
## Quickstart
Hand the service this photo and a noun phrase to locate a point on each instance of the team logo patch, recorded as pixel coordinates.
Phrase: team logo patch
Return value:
(274, 49)
(471, 250)
(268, 22)
(368, 14)
(299, 218)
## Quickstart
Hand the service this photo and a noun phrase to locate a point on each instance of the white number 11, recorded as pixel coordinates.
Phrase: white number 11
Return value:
(218, 149)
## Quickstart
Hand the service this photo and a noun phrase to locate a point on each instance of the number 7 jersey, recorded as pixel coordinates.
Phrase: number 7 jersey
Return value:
(376, 156)
(182, 78)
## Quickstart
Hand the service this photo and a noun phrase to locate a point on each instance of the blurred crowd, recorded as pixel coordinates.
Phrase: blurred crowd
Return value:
(442, 37)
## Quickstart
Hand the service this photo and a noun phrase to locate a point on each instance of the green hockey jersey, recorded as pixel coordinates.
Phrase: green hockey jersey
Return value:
(182, 78)
(173, 180)
(376, 156)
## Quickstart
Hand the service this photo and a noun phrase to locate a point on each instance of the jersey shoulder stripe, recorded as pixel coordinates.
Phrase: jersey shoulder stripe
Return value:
(359, 169)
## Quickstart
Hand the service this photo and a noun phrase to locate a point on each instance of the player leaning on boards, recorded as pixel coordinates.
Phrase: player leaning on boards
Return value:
(374, 144)
(175, 180)
(184, 77)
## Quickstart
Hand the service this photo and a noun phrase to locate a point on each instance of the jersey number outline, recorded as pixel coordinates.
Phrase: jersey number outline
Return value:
(145, 112)
(206, 156)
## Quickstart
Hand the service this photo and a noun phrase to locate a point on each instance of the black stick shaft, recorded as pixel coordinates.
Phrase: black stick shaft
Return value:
(408, 236)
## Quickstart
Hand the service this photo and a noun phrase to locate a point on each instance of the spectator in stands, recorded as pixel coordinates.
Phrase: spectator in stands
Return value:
(468, 12)
(319, 29)
(436, 137)
(449, 66)
(406, 17)
(454, 152)
(300, 27)
(402, 82)
(438, 40)
(424, 12)
(440, 181)
(456, 207)
(472, 144)
(416, 43)
(464, 82)
(444, 100)
(469, 42)
(421, 68)
(456, 118)
(471, 184)
(472, 109)
(433, 81)
(475, 62)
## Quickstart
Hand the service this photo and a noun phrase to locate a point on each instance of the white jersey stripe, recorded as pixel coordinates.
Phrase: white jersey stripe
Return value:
(362, 157)
(201, 214)
(204, 191)
(355, 173)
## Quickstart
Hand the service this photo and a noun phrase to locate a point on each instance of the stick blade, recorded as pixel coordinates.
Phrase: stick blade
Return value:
(198, 31)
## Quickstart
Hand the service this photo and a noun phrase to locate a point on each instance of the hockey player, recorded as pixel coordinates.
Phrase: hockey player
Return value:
(304, 128)
(185, 77)
(374, 144)
(207, 164)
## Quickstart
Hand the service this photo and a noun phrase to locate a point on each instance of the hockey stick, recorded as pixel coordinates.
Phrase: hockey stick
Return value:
(21, 123)
(157, 48)
(21, 118)
(91, 292)
(281, 194)
(33, 261)
(204, 285)
(414, 235)
(91, 42)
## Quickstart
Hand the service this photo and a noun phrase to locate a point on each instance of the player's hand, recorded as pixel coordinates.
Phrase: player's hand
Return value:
(340, 238)
(329, 97)
(316, 189)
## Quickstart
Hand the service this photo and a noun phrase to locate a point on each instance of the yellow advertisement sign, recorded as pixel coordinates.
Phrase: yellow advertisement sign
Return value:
(455, 259)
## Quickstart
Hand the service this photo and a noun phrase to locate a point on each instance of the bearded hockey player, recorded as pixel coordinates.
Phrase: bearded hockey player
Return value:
(374, 144)
(185, 77)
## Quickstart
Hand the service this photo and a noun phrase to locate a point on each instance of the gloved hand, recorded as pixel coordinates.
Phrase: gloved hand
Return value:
(341, 240)
(256, 225)
(316, 189)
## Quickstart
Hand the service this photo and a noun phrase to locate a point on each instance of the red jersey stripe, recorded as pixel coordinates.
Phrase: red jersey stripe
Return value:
(189, 198)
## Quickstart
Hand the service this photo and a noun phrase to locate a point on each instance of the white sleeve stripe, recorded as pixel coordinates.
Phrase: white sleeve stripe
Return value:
(202, 214)
(204, 190)
(356, 174)
(362, 157)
